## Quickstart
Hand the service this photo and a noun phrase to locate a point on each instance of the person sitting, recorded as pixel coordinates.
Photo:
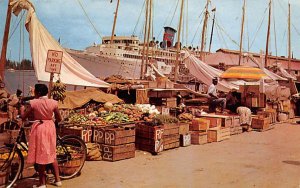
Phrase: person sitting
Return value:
(214, 100)
(3, 97)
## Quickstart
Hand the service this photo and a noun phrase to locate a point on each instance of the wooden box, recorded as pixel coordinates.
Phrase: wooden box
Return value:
(199, 124)
(171, 141)
(214, 121)
(185, 140)
(198, 137)
(150, 145)
(218, 134)
(171, 102)
(119, 135)
(85, 133)
(98, 134)
(236, 121)
(236, 130)
(116, 153)
(149, 132)
(142, 96)
(170, 129)
(260, 123)
(184, 128)
(165, 85)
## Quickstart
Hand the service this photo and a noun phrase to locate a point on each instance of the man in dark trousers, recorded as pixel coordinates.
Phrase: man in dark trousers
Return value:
(214, 100)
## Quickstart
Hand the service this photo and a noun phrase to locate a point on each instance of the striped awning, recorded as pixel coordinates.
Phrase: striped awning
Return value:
(243, 73)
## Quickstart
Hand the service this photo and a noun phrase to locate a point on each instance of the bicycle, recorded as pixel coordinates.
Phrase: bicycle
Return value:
(71, 155)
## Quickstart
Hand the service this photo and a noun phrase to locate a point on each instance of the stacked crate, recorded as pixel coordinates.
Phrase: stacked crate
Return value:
(116, 142)
(149, 138)
(185, 136)
(235, 127)
(260, 123)
(83, 131)
(199, 129)
(171, 136)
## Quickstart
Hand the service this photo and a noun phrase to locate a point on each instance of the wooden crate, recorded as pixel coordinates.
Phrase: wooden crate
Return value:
(218, 134)
(214, 121)
(150, 145)
(185, 140)
(98, 134)
(170, 102)
(171, 141)
(171, 129)
(260, 123)
(199, 124)
(236, 130)
(116, 153)
(119, 135)
(198, 137)
(165, 84)
(85, 133)
(184, 128)
(236, 121)
(149, 132)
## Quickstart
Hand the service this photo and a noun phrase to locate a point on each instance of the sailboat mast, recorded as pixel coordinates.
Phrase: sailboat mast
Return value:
(148, 32)
(204, 31)
(289, 46)
(178, 42)
(5, 41)
(242, 32)
(212, 29)
(268, 34)
(114, 24)
(145, 38)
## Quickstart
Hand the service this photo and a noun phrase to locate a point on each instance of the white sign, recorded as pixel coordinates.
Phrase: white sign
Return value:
(53, 62)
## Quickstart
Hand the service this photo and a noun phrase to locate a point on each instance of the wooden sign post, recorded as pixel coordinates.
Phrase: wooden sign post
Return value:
(53, 65)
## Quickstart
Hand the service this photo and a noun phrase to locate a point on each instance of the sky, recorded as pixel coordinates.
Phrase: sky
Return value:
(67, 20)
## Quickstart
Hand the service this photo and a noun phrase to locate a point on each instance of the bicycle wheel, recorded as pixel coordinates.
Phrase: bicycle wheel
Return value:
(71, 154)
(12, 164)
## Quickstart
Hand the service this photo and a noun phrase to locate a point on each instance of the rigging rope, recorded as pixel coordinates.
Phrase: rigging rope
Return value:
(85, 13)
(198, 27)
(140, 15)
(12, 33)
(166, 20)
(232, 40)
(259, 27)
(275, 35)
(174, 12)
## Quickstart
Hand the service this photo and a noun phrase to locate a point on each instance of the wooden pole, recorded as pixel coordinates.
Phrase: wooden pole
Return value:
(289, 46)
(242, 33)
(204, 32)
(178, 43)
(268, 34)
(5, 41)
(50, 84)
(145, 38)
(212, 29)
(114, 24)
(148, 32)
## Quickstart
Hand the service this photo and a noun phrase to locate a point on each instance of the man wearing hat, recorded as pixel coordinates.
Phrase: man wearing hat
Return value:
(214, 100)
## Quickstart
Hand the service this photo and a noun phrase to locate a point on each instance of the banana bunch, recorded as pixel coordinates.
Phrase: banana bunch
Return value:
(58, 91)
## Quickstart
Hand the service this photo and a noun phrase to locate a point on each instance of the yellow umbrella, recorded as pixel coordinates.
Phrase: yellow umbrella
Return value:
(243, 73)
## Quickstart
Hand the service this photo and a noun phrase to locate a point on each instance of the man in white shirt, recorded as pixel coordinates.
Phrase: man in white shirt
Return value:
(215, 101)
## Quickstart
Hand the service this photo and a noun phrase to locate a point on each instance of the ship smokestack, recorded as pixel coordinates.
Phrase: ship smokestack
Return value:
(169, 35)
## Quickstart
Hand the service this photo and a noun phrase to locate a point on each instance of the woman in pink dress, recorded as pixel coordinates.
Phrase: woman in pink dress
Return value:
(42, 142)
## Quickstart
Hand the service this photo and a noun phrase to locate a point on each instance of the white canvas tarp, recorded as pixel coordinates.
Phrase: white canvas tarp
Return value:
(205, 73)
(41, 41)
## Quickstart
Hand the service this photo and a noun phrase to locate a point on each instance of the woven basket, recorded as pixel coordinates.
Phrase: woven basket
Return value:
(70, 167)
